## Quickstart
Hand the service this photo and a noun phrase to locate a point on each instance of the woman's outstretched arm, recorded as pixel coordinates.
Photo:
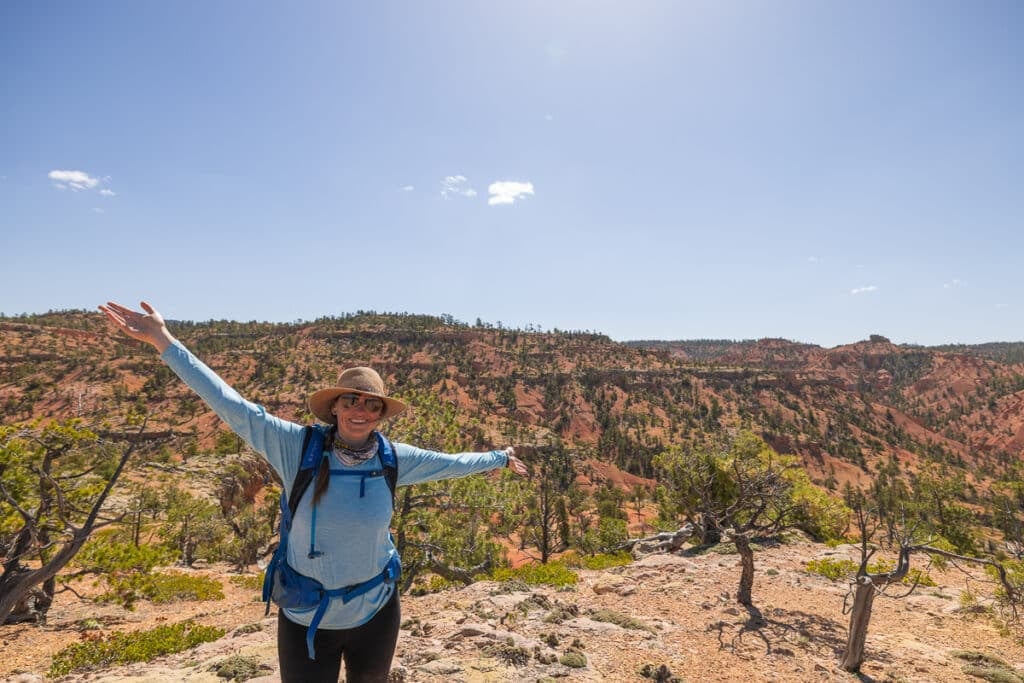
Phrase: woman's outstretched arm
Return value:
(280, 441)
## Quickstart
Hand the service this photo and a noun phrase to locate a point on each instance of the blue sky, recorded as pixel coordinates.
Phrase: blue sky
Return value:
(813, 170)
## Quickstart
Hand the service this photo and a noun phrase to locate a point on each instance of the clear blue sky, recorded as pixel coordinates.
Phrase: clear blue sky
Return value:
(815, 170)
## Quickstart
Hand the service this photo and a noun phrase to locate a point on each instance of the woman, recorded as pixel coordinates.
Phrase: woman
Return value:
(345, 518)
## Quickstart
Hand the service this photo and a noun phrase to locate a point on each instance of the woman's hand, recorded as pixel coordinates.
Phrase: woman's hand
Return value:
(514, 463)
(148, 327)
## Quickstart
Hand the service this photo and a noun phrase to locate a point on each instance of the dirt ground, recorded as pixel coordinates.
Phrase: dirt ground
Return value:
(683, 617)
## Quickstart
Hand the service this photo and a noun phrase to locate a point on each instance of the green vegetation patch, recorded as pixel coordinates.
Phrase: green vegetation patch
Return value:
(138, 646)
(560, 613)
(993, 674)
(619, 619)
(660, 673)
(248, 581)
(238, 668)
(573, 659)
(555, 574)
(834, 570)
(597, 561)
(508, 653)
(162, 588)
(607, 560)
(980, 658)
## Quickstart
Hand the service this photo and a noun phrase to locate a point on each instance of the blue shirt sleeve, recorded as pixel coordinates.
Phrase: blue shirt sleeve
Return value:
(418, 465)
(279, 441)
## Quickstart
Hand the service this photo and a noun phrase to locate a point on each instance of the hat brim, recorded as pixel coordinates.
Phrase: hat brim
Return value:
(320, 403)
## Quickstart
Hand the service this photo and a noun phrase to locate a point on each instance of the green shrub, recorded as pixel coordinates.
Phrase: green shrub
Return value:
(161, 588)
(922, 578)
(508, 653)
(249, 581)
(104, 555)
(993, 674)
(981, 658)
(237, 668)
(598, 561)
(576, 660)
(607, 560)
(619, 619)
(835, 570)
(919, 577)
(551, 574)
(661, 673)
(138, 646)
(560, 613)
(437, 584)
(832, 569)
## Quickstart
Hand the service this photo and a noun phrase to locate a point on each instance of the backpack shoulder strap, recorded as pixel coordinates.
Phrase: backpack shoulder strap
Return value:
(389, 461)
(313, 441)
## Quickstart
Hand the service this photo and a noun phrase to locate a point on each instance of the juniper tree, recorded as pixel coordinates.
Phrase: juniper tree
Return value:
(912, 538)
(745, 488)
(54, 483)
(445, 527)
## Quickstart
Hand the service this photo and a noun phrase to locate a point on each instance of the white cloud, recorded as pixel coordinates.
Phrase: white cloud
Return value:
(507, 191)
(76, 180)
(812, 259)
(408, 188)
(108, 193)
(863, 290)
(955, 283)
(456, 185)
(98, 210)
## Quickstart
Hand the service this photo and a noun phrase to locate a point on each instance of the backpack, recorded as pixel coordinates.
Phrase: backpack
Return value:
(293, 590)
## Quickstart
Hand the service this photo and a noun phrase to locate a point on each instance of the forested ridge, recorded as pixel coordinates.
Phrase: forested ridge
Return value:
(845, 411)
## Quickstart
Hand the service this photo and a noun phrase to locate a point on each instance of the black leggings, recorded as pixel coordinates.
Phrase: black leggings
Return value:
(367, 649)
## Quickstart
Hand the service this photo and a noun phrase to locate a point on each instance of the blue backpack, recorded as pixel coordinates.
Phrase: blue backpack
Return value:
(293, 590)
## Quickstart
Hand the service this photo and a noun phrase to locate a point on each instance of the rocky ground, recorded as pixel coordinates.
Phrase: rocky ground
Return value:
(667, 615)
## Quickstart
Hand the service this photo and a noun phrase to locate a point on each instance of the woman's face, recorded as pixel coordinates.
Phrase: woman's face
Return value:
(356, 419)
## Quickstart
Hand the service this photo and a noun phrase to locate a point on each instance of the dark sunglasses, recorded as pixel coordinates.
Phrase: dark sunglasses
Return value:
(371, 403)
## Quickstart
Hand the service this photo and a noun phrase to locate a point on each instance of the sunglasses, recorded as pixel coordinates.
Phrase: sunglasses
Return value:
(370, 403)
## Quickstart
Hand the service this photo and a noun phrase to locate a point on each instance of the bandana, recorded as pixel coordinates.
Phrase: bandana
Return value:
(355, 456)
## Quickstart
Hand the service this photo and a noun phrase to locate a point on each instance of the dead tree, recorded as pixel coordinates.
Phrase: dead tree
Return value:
(866, 585)
(42, 479)
(663, 542)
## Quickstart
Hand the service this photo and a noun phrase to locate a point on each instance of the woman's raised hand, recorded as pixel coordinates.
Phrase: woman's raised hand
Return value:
(514, 463)
(148, 327)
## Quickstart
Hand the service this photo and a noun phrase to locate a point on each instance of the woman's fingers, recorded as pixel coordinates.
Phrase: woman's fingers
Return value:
(118, 308)
(146, 325)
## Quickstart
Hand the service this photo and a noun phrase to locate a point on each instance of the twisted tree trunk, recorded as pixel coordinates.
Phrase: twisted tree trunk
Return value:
(745, 593)
(868, 585)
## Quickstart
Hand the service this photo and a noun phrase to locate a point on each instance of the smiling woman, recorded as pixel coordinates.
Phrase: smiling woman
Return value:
(338, 601)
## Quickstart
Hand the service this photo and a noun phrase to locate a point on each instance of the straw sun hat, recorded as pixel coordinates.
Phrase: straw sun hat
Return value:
(364, 381)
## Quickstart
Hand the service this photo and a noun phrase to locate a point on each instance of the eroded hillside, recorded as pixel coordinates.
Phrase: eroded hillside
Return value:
(843, 410)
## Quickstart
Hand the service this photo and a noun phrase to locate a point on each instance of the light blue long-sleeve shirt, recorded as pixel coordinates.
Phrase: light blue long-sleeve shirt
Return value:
(352, 531)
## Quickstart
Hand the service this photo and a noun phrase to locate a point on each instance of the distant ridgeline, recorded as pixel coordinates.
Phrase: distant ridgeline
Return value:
(844, 410)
